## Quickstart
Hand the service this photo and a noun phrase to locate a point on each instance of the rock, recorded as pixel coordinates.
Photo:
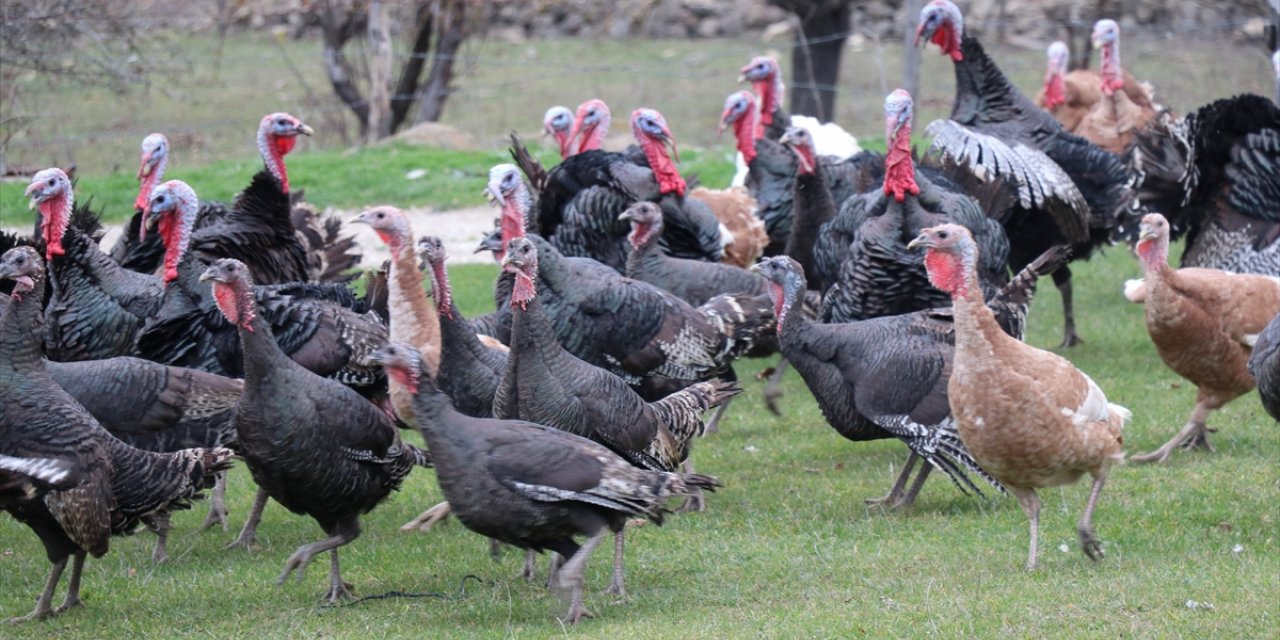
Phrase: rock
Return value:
(434, 134)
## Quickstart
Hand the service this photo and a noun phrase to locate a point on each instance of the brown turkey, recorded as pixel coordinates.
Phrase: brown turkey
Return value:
(533, 486)
(311, 443)
(119, 485)
(1030, 418)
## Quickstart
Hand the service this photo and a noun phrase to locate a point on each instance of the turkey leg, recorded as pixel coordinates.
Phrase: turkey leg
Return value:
(894, 498)
(530, 565)
(302, 557)
(570, 576)
(217, 504)
(72, 600)
(773, 390)
(695, 501)
(428, 518)
(714, 425)
(43, 610)
(1069, 336)
(159, 524)
(1030, 503)
(249, 534)
(1089, 541)
(619, 543)
(1194, 435)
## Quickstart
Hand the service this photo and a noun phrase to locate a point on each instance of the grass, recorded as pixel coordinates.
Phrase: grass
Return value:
(786, 549)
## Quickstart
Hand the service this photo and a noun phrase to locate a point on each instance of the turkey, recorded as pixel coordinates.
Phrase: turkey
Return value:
(533, 486)
(694, 281)
(1107, 108)
(590, 126)
(765, 77)
(311, 443)
(469, 371)
(861, 254)
(1215, 174)
(1204, 323)
(413, 318)
(22, 478)
(97, 309)
(557, 123)
(741, 230)
(1068, 189)
(321, 326)
(258, 228)
(545, 384)
(119, 485)
(886, 377)
(771, 170)
(579, 206)
(1028, 417)
(133, 250)
(1124, 108)
(649, 337)
(1264, 366)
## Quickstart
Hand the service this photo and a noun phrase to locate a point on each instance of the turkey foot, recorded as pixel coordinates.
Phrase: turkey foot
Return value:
(43, 609)
(570, 577)
(1089, 542)
(897, 498)
(1193, 436)
(159, 524)
(339, 589)
(428, 518)
(1030, 503)
(302, 557)
(713, 426)
(249, 534)
(72, 600)
(530, 568)
(217, 504)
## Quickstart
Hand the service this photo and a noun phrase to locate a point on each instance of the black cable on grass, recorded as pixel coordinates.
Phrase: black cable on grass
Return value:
(462, 594)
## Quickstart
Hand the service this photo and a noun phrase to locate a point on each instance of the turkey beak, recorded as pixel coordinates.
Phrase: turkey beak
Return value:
(787, 138)
(921, 240)
(361, 219)
(512, 261)
(1145, 232)
(494, 194)
(303, 129)
(923, 32)
(32, 192)
(147, 165)
(726, 119)
(489, 243)
(669, 143)
(211, 274)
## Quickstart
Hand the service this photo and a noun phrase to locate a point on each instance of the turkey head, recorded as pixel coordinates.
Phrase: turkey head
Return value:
(592, 124)
(766, 80)
(942, 24)
(557, 123)
(391, 225)
(233, 291)
(277, 135)
(155, 155)
(950, 258)
(24, 267)
(646, 223)
(50, 191)
(659, 146)
(172, 207)
(432, 253)
(507, 189)
(740, 113)
(402, 363)
(521, 261)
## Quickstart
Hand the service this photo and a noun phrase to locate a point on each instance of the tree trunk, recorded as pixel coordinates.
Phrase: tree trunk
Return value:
(450, 36)
(411, 72)
(911, 58)
(379, 34)
(815, 67)
(337, 26)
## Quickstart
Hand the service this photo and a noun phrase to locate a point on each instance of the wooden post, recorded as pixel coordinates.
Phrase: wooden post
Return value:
(911, 59)
(380, 64)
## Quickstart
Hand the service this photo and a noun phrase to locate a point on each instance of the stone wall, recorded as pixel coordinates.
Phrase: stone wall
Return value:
(1023, 20)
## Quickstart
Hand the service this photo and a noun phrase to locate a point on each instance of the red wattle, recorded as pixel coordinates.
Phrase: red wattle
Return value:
(144, 192)
(225, 297)
(523, 291)
(440, 287)
(779, 300)
(512, 226)
(899, 171)
(945, 37)
(170, 230)
(946, 272)
(1112, 77)
(51, 227)
(404, 378)
(764, 89)
(664, 170)
(742, 130)
(1054, 91)
(284, 144)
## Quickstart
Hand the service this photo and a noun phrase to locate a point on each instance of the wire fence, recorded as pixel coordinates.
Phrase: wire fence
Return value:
(211, 107)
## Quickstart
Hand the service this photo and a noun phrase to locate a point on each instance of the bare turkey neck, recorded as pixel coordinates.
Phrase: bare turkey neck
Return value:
(664, 170)
(55, 214)
(514, 210)
(744, 130)
(175, 235)
(443, 292)
(20, 327)
(273, 156)
(899, 170)
(770, 91)
(1154, 254)
(148, 183)
(1112, 76)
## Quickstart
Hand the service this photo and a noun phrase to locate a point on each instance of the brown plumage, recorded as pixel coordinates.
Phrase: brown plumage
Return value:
(1070, 96)
(736, 211)
(1204, 323)
(413, 318)
(1030, 418)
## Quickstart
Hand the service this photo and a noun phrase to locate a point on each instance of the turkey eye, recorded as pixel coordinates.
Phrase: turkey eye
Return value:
(943, 235)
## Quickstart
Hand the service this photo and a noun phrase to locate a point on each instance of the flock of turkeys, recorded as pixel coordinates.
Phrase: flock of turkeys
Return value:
(216, 335)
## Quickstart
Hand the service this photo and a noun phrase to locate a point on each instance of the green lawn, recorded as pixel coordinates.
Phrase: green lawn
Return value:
(787, 549)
